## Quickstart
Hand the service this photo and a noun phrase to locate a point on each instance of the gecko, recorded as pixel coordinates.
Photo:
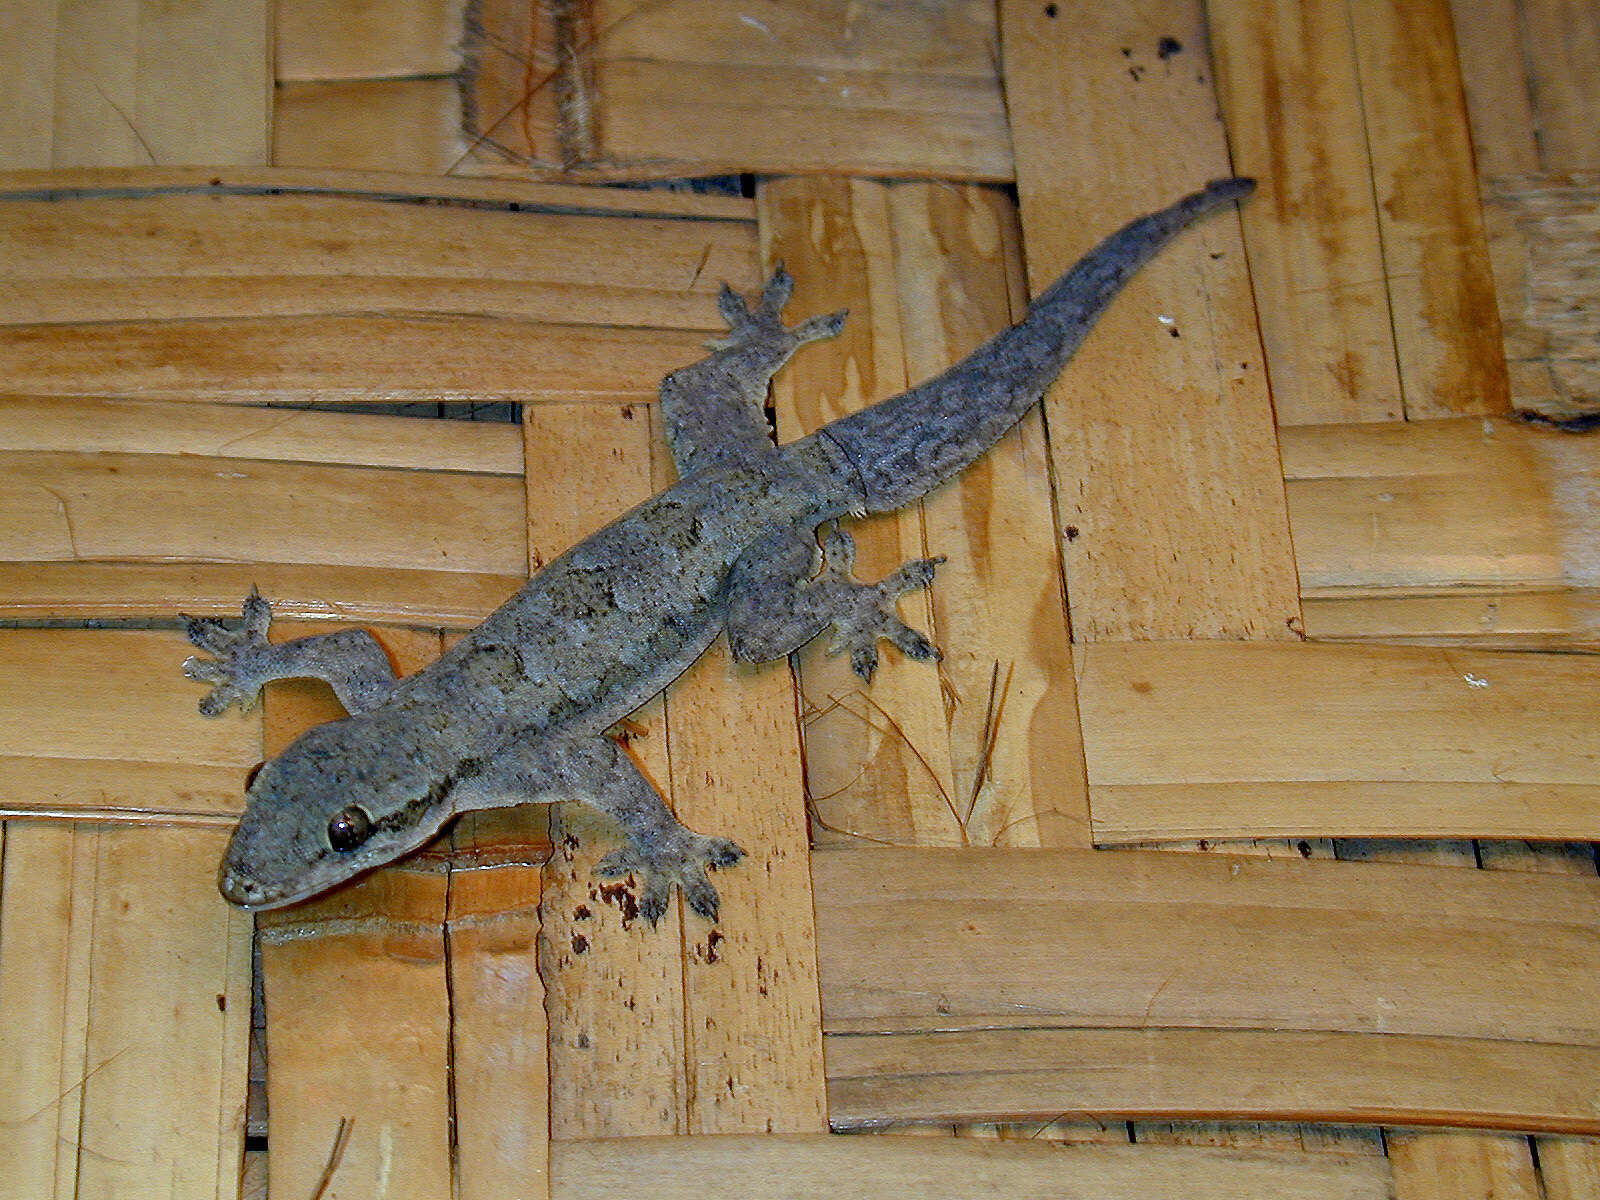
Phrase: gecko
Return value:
(747, 542)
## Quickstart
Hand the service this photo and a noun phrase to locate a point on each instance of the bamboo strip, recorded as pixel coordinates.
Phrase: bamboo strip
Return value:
(75, 258)
(66, 506)
(368, 124)
(376, 359)
(787, 87)
(1562, 51)
(941, 942)
(1436, 259)
(52, 590)
(942, 1169)
(1337, 741)
(95, 84)
(1167, 468)
(1286, 75)
(1494, 76)
(46, 917)
(1236, 1075)
(617, 1062)
(752, 1019)
(109, 182)
(998, 606)
(152, 427)
(877, 761)
(358, 1027)
(350, 40)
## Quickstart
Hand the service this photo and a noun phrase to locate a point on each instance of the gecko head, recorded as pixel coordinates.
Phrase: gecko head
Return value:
(340, 801)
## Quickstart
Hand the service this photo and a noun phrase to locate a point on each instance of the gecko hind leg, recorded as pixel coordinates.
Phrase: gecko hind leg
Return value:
(350, 661)
(777, 602)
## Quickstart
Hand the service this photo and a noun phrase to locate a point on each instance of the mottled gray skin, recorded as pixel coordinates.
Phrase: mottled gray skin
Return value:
(517, 711)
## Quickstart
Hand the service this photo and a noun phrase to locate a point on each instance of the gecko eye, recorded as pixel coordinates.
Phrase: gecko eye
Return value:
(249, 780)
(349, 828)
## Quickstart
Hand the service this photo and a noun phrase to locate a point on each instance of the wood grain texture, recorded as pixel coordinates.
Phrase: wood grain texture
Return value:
(319, 40)
(1440, 1164)
(192, 255)
(1436, 260)
(104, 726)
(142, 507)
(928, 942)
(616, 986)
(878, 761)
(125, 987)
(1545, 264)
(358, 1028)
(1471, 528)
(818, 86)
(1230, 740)
(942, 1169)
(1167, 475)
(998, 606)
(1290, 89)
(1494, 76)
(1227, 1075)
(114, 84)
(753, 1020)
(1562, 38)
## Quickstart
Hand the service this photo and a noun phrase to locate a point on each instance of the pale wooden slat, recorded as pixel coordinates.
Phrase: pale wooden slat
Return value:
(316, 39)
(169, 1020)
(46, 906)
(1570, 1168)
(998, 607)
(1441, 290)
(177, 254)
(1233, 1074)
(112, 696)
(752, 1019)
(101, 506)
(616, 1007)
(1494, 76)
(1439, 506)
(362, 968)
(1168, 475)
(329, 359)
(27, 84)
(368, 124)
(1562, 41)
(116, 790)
(499, 1046)
(1338, 740)
(877, 760)
(1438, 1165)
(942, 1169)
(909, 940)
(1287, 79)
(787, 119)
(126, 91)
(153, 427)
(1555, 619)
(784, 87)
(385, 185)
(454, 599)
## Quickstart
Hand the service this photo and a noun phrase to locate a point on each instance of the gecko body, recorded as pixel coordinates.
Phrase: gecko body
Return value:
(517, 711)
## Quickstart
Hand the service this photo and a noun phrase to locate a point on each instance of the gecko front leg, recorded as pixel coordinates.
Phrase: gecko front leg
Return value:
(660, 850)
(775, 605)
(350, 661)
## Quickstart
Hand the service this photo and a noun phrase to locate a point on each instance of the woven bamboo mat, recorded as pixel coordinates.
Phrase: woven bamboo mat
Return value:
(1277, 576)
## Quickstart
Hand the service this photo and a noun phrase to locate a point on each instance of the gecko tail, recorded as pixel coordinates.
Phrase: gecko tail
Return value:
(907, 445)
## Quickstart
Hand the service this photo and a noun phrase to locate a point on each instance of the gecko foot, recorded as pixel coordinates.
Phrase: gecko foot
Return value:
(862, 613)
(683, 862)
(238, 668)
(749, 323)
